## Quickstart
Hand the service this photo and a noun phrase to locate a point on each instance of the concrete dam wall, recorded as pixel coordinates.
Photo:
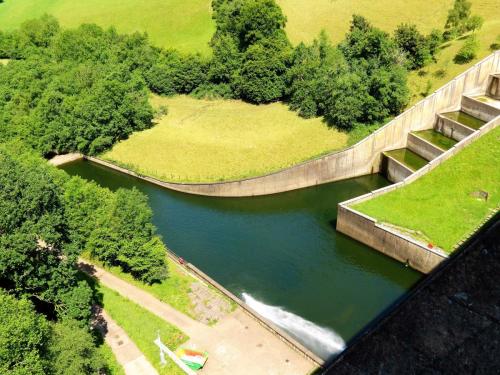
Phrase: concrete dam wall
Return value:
(358, 160)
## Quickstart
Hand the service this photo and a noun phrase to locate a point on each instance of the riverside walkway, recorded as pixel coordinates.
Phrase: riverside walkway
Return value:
(126, 352)
(237, 344)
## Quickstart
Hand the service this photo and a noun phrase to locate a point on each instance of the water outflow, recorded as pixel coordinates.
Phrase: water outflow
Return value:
(322, 341)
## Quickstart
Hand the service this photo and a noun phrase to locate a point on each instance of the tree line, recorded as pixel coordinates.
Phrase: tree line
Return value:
(46, 219)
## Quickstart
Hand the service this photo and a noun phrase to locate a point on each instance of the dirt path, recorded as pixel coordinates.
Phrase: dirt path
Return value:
(126, 352)
(237, 344)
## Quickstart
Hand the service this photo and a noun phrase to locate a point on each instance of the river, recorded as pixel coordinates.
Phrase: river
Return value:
(281, 253)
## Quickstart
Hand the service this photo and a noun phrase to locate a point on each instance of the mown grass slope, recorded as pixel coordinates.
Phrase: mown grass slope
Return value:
(442, 205)
(143, 327)
(183, 24)
(306, 19)
(202, 140)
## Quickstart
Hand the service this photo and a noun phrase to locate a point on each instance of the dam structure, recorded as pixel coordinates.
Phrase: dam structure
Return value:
(453, 130)
(399, 148)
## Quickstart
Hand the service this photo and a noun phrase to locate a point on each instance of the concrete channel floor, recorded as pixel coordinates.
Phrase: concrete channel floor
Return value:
(236, 345)
(450, 324)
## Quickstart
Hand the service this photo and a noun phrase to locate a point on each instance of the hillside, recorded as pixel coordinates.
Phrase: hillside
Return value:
(183, 24)
(187, 24)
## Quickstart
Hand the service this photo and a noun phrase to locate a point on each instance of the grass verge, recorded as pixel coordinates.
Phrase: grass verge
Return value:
(209, 141)
(443, 204)
(142, 328)
(112, 365)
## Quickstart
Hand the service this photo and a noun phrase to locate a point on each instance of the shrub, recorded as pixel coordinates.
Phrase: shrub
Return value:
(413, 44)
(440, 73)
(468, 51)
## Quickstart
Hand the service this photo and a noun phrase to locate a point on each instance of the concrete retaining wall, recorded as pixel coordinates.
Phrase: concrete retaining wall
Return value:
(366, 230)
(362, 158)
(394, 170)
(422, 147)
(494, 87)
(452, 129)
(388, 240)
(270, 326)
(479, 109)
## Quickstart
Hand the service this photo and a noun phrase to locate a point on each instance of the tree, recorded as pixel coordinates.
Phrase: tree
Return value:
(124, 236)
(23, 338)
(72, 350)
(345, 95)
(226, 59)
(460, 19)
(36, 260)
(458, 14)
(310, 66)
(468, 51)
(369, 46)
(413, 44)
(474, 23)
(434, 40)
(262, 75)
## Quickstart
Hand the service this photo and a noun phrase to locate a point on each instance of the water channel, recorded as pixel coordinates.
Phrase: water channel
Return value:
(280, 252)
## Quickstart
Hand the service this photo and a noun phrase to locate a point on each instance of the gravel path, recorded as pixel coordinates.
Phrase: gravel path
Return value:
(236, 345)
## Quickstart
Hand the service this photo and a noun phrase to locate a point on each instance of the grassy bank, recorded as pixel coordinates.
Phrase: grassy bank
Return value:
(113, 367)
(442, 205)
(142, 328)
(174, 290)
(183, 24)
(201, 140)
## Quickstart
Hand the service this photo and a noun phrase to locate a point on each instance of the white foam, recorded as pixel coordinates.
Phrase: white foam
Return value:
(322, 341)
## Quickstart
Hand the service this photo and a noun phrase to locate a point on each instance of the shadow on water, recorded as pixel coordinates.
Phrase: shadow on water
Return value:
(281, 250)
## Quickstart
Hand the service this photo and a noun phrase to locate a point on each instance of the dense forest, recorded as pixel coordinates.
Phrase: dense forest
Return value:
(86, 88)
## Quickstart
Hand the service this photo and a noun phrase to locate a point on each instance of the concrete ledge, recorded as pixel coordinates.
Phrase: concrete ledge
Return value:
(59, 160)
(479, 109)
(452, 129)
(494, 87)
(388, 241)
(422, 147)
(394, 170)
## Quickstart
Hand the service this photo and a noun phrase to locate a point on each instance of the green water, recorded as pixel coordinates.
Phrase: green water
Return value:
(488, 100)
(436, 138)
(465, 119)
(282, 249)
(408, 158)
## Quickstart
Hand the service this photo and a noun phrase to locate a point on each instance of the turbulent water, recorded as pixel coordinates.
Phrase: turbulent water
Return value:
(322, 341)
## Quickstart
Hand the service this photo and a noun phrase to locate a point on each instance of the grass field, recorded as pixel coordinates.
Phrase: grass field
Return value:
(306, 21)
(183, 24)
(441, 205)
(202, 140)
(142, 328)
